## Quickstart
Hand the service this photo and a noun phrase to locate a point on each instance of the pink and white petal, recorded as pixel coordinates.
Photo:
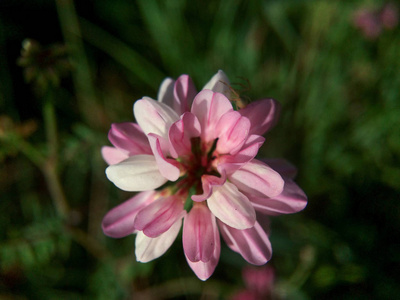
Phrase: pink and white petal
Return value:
(282, 166)
(166, 92)
(113, 155)
(136, 173)
(256, 178)
(208, 183)
(129, 137)
(181, 132)
(154, 117)
(204, 270)
(232, 131)
(157, 217)
(199, 228)
(219, 83)
(231, 163)
(231, 206)
(291, 200)
(263, 114)
(119, 221)
(168, 168)
(208, 107)
(148, 249)
(184, 93)
(252, 243)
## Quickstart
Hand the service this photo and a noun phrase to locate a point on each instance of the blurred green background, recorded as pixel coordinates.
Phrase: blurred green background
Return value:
(340, 125)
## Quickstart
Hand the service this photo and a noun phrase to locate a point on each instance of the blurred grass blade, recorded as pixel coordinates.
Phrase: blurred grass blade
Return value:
(122, 53)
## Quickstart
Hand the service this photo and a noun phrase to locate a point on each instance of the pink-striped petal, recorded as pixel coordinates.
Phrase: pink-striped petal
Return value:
(168, 168)
(148, 249)
(198, 235)
(291, 200)
(231, 163)
(208, 107)
(253, 243)
(231, 206)
(184, 93)
(204, 270)
(119, 221)
(137, 173)
(219, 83)
(166, 92)
(129, 137)
(208, 182)
(181, 132)
(159, 216)
(263, 114)
(256, 178)
(113, 155)
(232, 131)
(154, 117)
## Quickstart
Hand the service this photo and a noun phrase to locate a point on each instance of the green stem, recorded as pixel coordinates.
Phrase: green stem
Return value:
(27, 149)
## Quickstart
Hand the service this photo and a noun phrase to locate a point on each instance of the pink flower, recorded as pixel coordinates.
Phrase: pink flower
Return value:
(192, 158)
(259, 284)
(372, 21)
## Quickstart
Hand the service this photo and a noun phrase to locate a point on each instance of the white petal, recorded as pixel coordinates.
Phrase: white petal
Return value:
(147, 249)
(137, 173)
(166, 91)
(231, 206)
(219, 83)
(154, 117)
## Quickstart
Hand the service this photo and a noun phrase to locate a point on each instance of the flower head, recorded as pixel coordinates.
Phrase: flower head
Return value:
(192, 158)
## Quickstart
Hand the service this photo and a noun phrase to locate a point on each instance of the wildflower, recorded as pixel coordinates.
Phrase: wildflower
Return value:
(373, 22)
(192, 158)
(44, 66)
(259, 284)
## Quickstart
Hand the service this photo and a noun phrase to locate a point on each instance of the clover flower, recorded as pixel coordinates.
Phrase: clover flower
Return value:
(192, 158)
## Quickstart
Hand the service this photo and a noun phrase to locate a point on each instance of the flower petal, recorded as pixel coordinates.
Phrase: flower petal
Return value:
(263, 114)
(208, 182)
(137, 173)
(184, 93)
(169, 168)
(256, 178)
(113, 155)
(148, 249)
(219, 83)
(231, 163)
(204, 270)
(231, 206)
(253, 243)
(129, 137)
(291, 200)
(199, 229)
(154, 117)
(159, 216)
(166, 92)
(181, 132)
(119, 221)
(232, 131)
(208, 107)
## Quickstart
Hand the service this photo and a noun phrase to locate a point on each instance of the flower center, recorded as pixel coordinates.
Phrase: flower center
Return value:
(195, 165)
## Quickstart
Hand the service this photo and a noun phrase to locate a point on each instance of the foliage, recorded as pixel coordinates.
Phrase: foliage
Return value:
(339, 125)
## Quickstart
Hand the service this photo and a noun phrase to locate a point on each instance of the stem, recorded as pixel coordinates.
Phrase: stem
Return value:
(50, 125)
(82, 77)
(55, 189)
(50, 167)
(27, 149)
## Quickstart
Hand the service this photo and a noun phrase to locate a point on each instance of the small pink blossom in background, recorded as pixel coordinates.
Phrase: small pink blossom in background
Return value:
(191, 157)
(372, 22)
(259, 284)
